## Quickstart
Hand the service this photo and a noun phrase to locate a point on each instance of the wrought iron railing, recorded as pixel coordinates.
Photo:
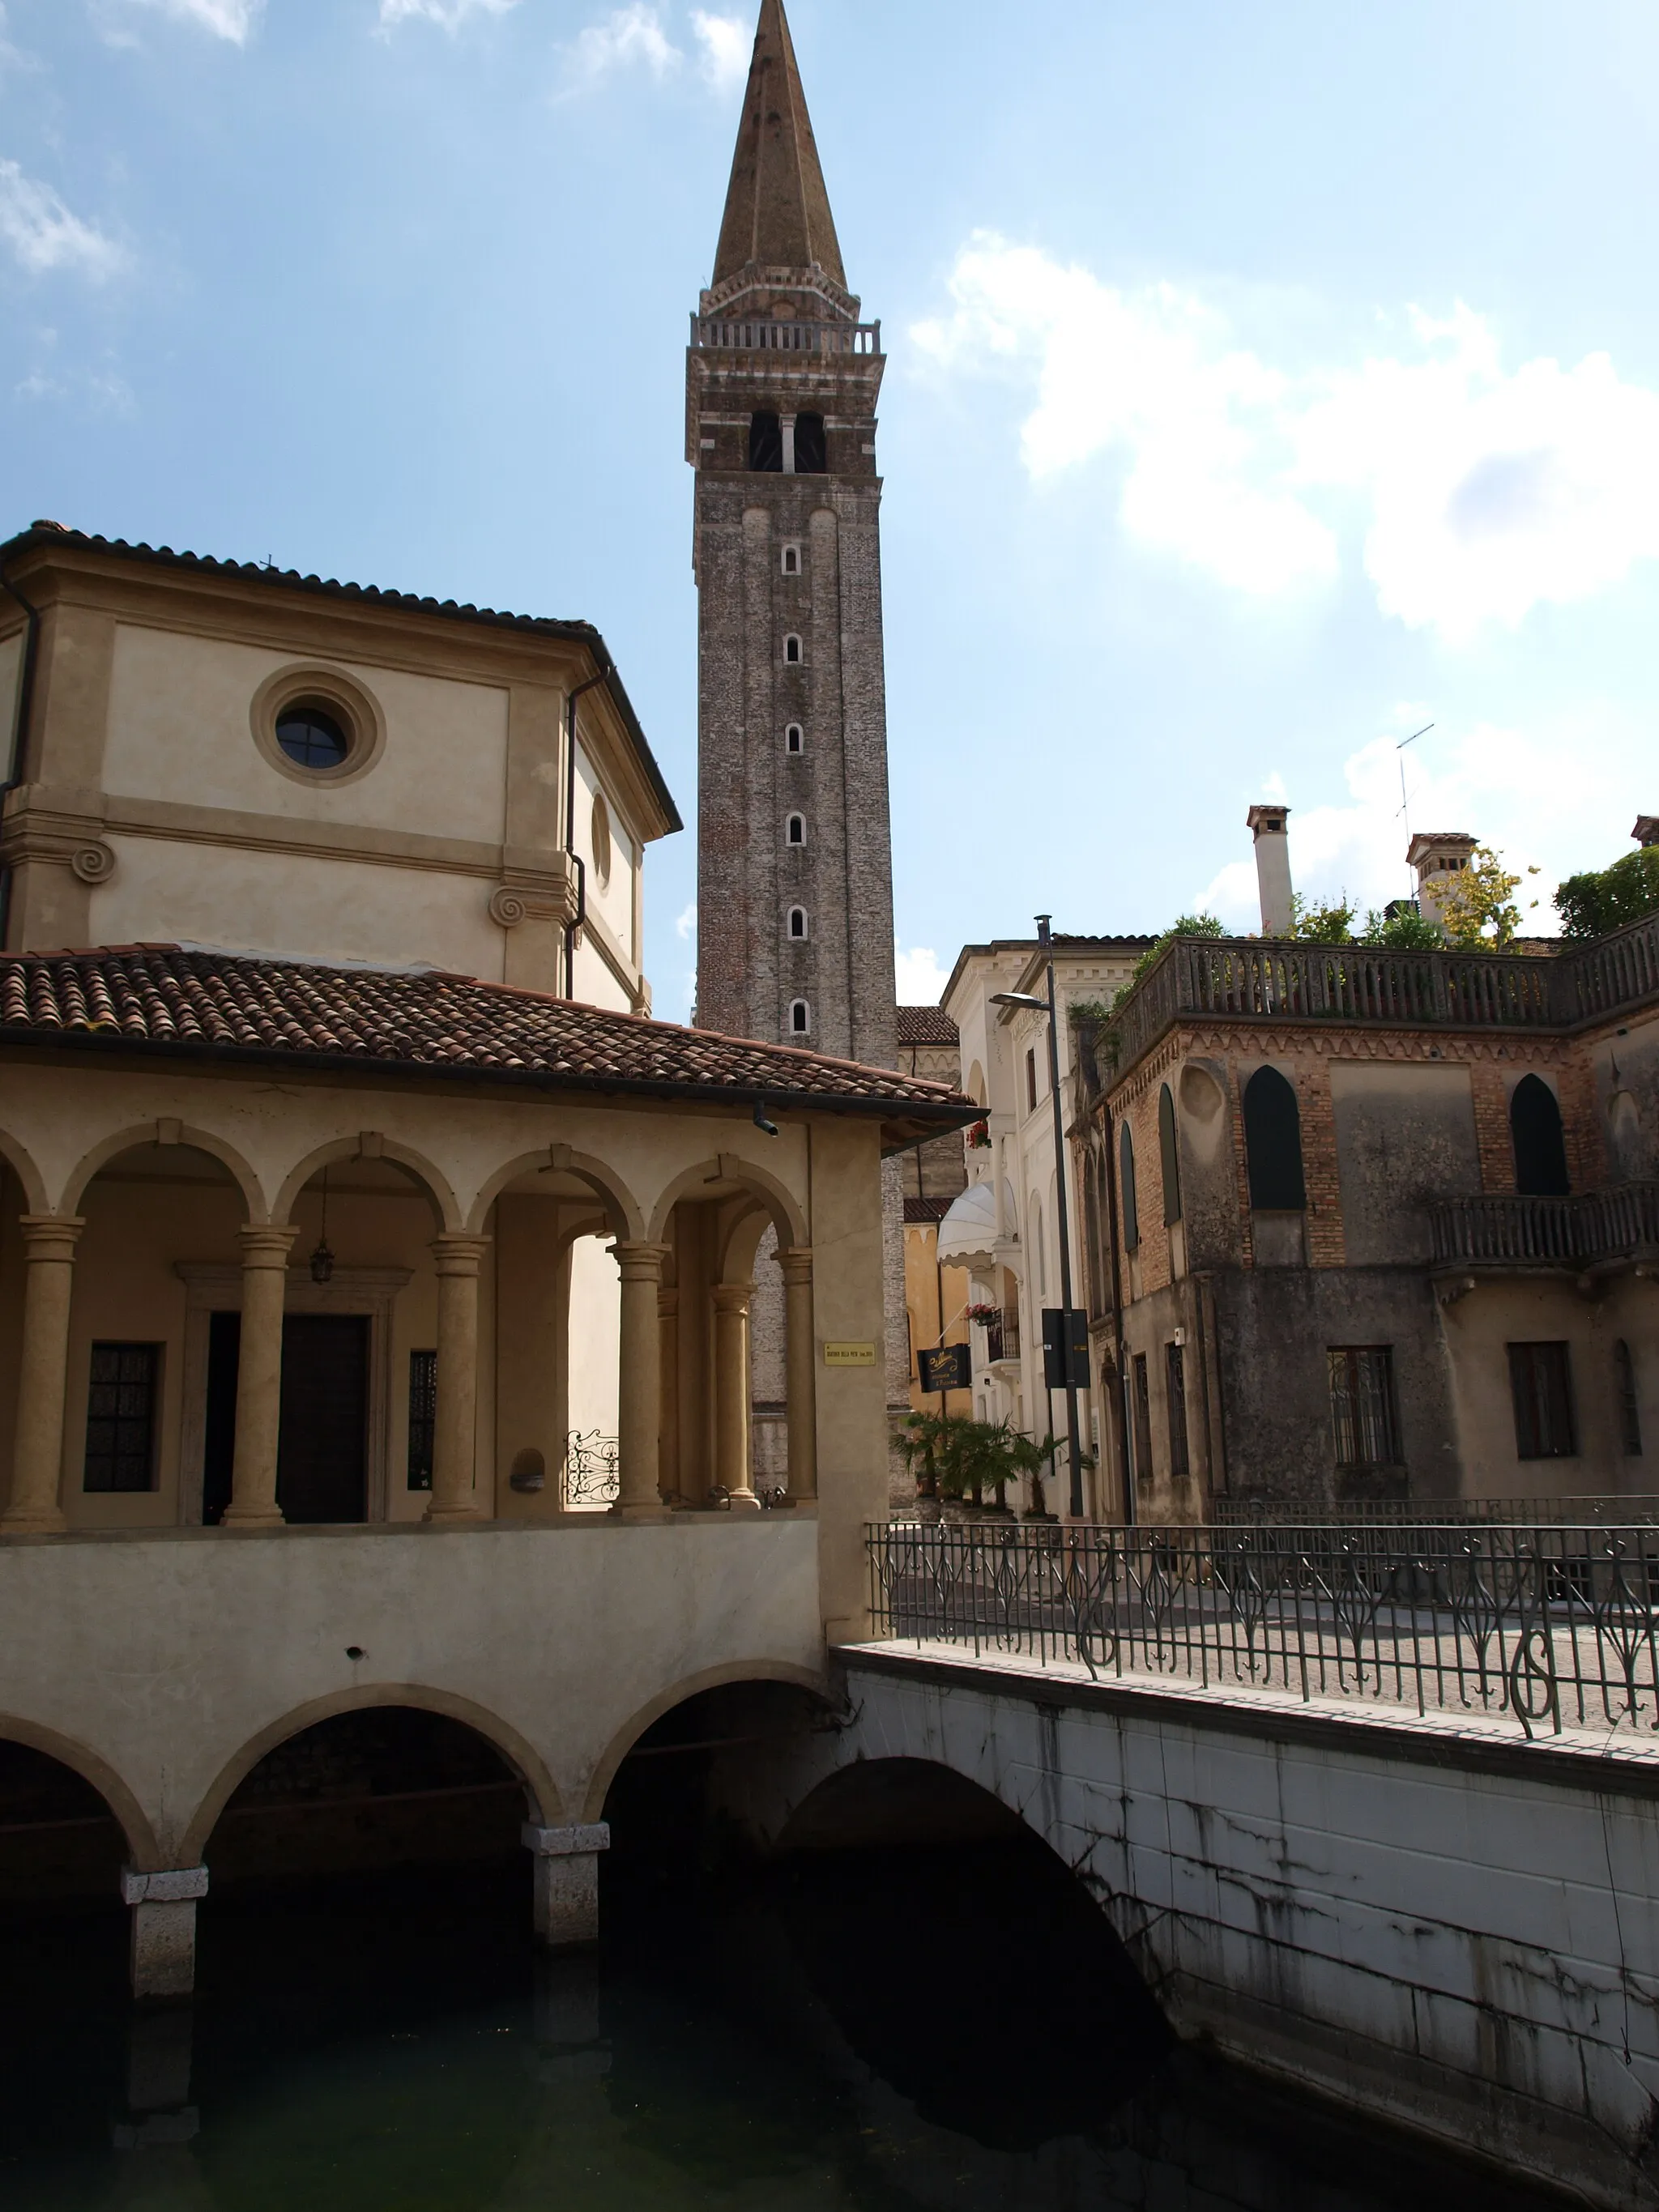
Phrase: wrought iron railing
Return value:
(1554, 1627)
(1246, 978)
(760, 334)
(1002, 1335)
(591, 1476)
(1598, 1225)
(1443, 1512)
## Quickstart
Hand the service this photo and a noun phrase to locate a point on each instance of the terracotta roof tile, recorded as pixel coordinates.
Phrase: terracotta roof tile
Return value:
(165, 998)
(927, 1025)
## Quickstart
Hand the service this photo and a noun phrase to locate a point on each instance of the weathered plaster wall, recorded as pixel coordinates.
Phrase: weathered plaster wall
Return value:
(1456, 1934)
(1405, 1135)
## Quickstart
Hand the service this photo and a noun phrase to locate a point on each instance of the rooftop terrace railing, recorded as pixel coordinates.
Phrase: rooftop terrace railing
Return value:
(1267, 979)
(1563, 1232)
(1554, 1627)
(758, 334)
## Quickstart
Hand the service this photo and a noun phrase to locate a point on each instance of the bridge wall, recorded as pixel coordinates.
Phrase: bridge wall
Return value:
(1453, 1930)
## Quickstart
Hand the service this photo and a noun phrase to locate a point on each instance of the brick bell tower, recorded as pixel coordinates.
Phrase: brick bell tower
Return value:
(794, 846)
(794, 867)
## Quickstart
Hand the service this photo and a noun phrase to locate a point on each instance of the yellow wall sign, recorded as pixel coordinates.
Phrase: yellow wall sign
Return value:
(850, 1355)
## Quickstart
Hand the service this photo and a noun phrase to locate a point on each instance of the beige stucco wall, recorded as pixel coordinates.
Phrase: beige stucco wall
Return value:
(595, 1325)
(178, 730)
(11, 669)
(324, 908)
(194, 1652)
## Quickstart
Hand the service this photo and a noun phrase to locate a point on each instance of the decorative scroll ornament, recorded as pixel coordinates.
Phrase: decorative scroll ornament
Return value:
(507, 908)
(93, 864)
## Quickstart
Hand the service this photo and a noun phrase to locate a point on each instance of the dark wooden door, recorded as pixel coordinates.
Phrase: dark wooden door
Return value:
(321, 1470)
(320, 1461)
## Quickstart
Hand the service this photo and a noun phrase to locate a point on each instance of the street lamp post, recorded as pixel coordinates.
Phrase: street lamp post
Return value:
(1073, 1434)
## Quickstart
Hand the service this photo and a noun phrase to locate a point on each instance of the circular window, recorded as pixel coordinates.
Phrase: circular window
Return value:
(317, 724)
(601, 840)
(312, 738)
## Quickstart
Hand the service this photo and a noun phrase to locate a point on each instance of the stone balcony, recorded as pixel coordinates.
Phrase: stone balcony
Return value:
(1595, 1229)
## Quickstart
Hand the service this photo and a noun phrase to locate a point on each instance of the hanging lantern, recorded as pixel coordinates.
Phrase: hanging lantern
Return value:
(322, 1260)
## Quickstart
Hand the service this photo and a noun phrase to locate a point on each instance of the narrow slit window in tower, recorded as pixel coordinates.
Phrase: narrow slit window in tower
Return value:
(765, 444)
(792, 560)
(792, 651)
(811, 446)
(800, 1018)
(798, 921)
(794, 738)
(797, 830)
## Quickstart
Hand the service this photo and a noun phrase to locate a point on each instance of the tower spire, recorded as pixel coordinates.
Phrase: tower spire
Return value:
(777, 211)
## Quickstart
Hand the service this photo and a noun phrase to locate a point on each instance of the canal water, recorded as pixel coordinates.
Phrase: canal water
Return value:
(855, 2032)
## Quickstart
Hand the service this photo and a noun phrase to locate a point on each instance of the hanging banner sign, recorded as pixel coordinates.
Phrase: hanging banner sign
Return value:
(948, 1368)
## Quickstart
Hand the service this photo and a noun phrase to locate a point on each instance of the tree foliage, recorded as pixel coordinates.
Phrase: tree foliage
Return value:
(1480, 899)
(1603, 899)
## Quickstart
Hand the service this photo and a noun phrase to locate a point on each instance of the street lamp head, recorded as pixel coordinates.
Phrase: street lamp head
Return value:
(1019, 999)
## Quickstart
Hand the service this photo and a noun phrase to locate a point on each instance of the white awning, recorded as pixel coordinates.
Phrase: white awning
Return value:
(967, 1236)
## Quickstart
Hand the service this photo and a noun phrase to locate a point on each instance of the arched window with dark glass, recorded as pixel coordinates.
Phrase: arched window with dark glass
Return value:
(1126, 1172)
(1091, 1235)
(811, 446)
(1540, 1154)
(1273, 1143)
(1168, 1157)
(765, 444)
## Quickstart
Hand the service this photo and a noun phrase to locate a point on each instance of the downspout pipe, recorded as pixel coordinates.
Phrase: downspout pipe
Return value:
(20, 729)
(571, 927)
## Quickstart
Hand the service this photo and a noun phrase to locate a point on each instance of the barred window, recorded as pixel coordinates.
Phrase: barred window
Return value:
(1362, 1413)
(1175, 1380)
(121, 1417)
(1541, 1384)
(422, 1416)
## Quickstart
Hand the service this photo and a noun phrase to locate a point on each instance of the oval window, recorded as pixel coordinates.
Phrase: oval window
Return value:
(312, 738)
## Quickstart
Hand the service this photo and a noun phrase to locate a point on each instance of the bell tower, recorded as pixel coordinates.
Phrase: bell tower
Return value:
(794, 870)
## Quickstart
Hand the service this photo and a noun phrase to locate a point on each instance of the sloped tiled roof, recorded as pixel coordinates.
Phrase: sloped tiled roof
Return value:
(167, 999)
(927, 1025)
(59, 537)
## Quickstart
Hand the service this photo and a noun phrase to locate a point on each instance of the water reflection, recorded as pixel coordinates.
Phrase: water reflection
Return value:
(858, 2034)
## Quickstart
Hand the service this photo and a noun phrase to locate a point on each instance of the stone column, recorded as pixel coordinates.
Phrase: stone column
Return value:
(163, 1907)
(639, 1397)
(37, 1465)
(800, 1355)
(668, 1359)
(259, 1377)
(567, 1881)
(732, 1422)
(454, 1441)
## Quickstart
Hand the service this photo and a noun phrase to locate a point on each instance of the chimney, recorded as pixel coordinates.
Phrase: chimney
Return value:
(1273, 866)
(1436, 854)
(1646, 831)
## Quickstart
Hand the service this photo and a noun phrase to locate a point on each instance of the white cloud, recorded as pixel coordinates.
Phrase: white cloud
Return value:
(43, 234)
(226, 19)
(1504, 786)
(1479, 492)
(629, 38)
(920, 980)
(450, 15)
(726, 41)
(685, 923)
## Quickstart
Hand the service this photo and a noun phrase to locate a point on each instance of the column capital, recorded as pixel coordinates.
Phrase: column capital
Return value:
(668, 1301)
(731, 1298)
(266, 1244)
(458, 1254)
(51, 1236)
(640, 1262)
(796, 1261)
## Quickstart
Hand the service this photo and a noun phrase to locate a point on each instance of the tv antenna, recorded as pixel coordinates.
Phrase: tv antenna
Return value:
(1405, 813)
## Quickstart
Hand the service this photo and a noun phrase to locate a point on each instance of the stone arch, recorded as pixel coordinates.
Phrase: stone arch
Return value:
(542, 1792)
(434, 1184)
(16, 1158)
(624, 1216)
(191, 1138)
(781, 1203)
(690, 1685)
(135, 1823)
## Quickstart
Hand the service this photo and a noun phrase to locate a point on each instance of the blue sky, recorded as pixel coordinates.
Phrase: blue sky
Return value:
(1264, 382)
